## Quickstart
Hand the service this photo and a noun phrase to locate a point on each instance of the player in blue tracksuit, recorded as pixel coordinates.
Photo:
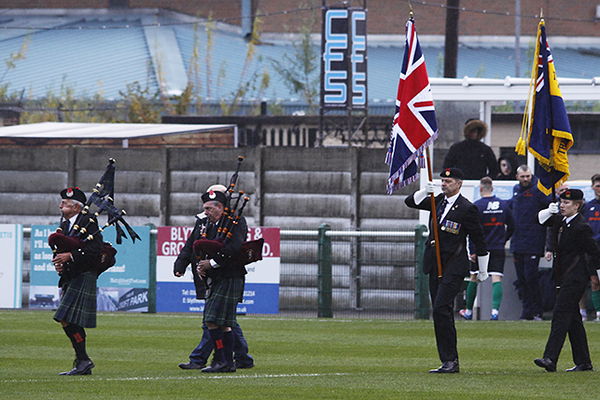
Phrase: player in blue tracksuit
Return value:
(528, 241)
(591, 213)
(498, 225)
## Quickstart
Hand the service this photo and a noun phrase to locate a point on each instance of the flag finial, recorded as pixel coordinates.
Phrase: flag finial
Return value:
(411, 12)
(542, 14)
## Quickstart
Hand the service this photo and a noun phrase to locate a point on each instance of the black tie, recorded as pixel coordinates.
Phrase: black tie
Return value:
(65, 227)
(562, 228)
(441, 209)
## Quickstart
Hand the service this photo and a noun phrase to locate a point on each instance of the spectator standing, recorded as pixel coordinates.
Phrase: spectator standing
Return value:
(528, 241)
(475, 158)
(506, 170)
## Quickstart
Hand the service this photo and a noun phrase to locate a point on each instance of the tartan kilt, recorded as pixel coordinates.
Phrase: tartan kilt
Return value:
(78, 301)
(220, 306)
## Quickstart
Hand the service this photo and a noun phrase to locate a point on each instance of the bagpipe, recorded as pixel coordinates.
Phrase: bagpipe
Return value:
(86, 226)
(208, 248)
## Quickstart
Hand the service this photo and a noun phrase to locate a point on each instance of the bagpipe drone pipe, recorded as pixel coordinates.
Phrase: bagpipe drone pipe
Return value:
(208, 248)
(86, 226)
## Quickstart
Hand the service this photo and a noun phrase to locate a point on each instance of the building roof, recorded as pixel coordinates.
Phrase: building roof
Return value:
(113, 134)
(99, 52)
(74, 130)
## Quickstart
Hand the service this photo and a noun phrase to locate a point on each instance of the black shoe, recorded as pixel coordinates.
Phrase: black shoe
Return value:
(239, 365)
(81, 367)
(545, 363)
(581, 367)
(219, 368)
(191, 365)
(244, 362)
(447, 367)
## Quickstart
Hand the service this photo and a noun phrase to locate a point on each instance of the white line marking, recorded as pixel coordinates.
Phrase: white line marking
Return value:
(178, 378)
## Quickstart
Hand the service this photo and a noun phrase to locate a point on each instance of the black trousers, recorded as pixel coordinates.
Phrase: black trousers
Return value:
(442, 292)
(567, 320)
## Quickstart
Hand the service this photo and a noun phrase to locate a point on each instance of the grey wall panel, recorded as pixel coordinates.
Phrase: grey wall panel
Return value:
(376, 183)
(306, 159)
(199, 181)
(382, 206)
(181, 159)
(146, 182)
(309, 205)
(34, 158)
(32, 181)
(306, 182)
(96, 158)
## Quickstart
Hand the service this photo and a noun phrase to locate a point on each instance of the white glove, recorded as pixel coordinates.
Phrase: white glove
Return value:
(482, 262)
(546, 213)
(430, 187)
(422, 194)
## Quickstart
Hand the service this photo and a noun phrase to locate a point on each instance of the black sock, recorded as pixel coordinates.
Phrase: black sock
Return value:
(228, 347)
(217, 337)
(77, 335)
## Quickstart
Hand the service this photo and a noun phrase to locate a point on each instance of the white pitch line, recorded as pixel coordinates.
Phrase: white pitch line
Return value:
(177, 378)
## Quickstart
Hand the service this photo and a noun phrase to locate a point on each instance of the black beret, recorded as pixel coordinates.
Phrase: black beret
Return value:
(73, 193)
(455, 173)
(572, 194)
(214, 195)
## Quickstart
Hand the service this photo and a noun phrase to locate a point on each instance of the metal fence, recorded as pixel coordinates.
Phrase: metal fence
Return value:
(353, 273)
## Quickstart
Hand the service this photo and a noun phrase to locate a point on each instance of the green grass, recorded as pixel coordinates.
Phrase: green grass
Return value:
(136, 357)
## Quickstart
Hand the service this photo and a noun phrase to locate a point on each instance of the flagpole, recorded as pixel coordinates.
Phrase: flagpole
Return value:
(434, 220)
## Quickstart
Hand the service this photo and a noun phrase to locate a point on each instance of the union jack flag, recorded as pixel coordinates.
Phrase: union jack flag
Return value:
(414, 126)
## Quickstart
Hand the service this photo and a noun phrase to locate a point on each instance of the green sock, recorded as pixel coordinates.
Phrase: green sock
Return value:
(471, 293)
(596, 299)
(496, 295)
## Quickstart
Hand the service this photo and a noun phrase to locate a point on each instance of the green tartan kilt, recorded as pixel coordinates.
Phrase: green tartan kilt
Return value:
(78, 301)
(220, 306)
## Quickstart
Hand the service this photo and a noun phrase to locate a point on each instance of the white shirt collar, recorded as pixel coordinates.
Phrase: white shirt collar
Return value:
(569, 219)
(452, 199)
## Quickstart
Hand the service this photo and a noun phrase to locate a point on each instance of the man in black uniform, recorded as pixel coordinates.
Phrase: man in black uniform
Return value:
(77, 309)
(198, 358)
(457, 217)
(573, 240)
(225, 279)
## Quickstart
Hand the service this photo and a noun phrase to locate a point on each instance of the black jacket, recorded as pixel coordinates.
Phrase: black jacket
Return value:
(475, 158)
(576, 253)
(86, 257)
(461, 221)
(227, 268)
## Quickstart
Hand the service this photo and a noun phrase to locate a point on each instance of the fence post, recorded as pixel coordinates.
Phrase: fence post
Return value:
(324, 273)
(421, 283)
(152, 272)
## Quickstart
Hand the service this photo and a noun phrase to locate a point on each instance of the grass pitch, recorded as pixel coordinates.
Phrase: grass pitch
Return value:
(136, 357)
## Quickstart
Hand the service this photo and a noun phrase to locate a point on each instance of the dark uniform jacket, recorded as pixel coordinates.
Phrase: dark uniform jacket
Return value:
(86, 257)
(577, 255)
(227, 267)
(461, 221)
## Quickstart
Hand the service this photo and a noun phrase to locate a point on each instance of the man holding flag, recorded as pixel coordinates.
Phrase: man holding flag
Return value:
(445, 261)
